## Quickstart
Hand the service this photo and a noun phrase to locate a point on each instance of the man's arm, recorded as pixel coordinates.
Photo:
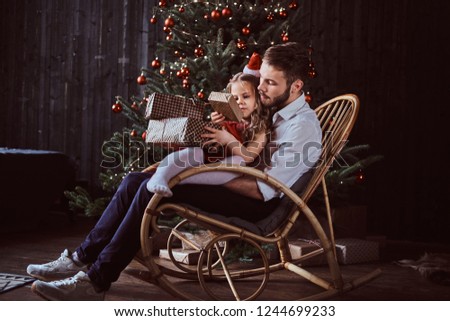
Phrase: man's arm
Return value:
(245, 186)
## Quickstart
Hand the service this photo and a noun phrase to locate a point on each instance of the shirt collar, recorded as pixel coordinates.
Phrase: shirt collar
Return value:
(290, 110)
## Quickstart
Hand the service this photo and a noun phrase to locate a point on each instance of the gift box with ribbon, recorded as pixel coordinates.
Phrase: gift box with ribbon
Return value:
(225, 104)
(180, 132)
(162, 106)
(351, 251)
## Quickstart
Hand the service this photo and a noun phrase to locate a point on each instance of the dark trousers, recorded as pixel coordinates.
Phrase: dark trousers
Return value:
(115, 239)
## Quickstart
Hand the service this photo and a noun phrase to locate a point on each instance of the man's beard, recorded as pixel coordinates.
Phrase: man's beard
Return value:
(280, 101)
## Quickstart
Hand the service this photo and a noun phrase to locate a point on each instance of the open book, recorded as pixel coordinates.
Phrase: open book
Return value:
(225, 104)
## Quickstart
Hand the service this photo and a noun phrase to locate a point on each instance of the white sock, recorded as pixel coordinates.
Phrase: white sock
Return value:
(172, 165)
(216, 178)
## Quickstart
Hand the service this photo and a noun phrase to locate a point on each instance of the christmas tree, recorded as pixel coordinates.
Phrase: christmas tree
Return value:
(205, 44)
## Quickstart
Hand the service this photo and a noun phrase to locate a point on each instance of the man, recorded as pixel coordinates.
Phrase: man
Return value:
(111, 245)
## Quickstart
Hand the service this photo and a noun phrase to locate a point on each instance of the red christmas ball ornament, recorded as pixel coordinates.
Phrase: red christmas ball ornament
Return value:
(293, 5)
(199, 52)
(141, 80)
(241, 44)
(144, 135)
(166, 29)
(201, 94)
(227, 12)
(181, 9)
(169, 37)
(162, 4)
(283, 13)
(185, 72)
(284, 37)
(308, 97)
(135, 106)
(162, 71)
(153, 20)
(179, 74)
(245, 31)
(270, 17)
(312, 73)
(117, 107)
(133, 133)
(186, 83)
(169, 22)
(215, 15)
(206, 16)
(156, 63)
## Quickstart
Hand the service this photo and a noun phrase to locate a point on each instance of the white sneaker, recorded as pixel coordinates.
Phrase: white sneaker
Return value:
(76, 288)
(67, 265)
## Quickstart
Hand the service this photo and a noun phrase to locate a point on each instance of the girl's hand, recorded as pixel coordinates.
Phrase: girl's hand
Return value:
(217, 118)
(219, 136)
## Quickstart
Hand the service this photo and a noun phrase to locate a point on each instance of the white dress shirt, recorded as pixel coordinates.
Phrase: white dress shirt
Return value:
(294, 146)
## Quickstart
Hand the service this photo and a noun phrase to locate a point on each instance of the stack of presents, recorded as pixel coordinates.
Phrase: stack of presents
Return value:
(180, 122)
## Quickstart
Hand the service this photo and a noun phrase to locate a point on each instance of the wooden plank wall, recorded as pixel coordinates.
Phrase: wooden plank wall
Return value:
(64, 61)
(391, 54)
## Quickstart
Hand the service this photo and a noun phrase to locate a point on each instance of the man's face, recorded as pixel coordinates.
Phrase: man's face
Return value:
(273, 88)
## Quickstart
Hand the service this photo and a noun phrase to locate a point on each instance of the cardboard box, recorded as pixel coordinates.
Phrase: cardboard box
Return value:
(162, 106)
(351, 251)
(225, 104)
(300, 247)
(189, 257)
(180, 132)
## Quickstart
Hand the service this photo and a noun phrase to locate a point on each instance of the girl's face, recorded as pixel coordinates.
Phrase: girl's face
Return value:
(245, 96)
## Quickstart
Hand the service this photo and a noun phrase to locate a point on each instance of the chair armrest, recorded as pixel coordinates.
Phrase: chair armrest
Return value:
(150, 168)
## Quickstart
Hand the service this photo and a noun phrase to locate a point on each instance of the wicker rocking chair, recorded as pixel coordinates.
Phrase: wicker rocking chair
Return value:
(215, 263)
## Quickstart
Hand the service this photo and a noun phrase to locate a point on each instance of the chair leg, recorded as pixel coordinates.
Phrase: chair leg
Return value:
(329, 218)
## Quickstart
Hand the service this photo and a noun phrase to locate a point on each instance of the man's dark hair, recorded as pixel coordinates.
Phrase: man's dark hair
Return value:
(291, 58)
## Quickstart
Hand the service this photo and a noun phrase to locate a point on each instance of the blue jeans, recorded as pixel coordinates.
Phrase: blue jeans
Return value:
(115, 239)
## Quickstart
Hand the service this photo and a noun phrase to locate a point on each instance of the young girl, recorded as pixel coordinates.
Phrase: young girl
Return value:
(242, 142)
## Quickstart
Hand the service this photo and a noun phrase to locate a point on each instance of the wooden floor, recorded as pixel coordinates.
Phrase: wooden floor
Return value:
(56, 232)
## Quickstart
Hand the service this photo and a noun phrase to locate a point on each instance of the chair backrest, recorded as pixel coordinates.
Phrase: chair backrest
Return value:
(337, 117)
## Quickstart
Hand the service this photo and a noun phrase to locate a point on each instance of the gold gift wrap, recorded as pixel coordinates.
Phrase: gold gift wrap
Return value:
(225, 104)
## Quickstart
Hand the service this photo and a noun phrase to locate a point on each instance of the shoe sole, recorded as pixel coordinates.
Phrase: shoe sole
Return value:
(49, 279)
(58, 277)
(35, 291)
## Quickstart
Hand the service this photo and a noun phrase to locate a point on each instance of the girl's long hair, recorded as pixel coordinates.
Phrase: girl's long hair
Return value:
(259, 119)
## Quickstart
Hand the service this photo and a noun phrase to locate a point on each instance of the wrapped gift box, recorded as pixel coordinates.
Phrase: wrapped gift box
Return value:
(199, 238)
(301, 247)
(162, 106)
(351, 251)
(225, 104)
(189, 257)
(183, 131)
